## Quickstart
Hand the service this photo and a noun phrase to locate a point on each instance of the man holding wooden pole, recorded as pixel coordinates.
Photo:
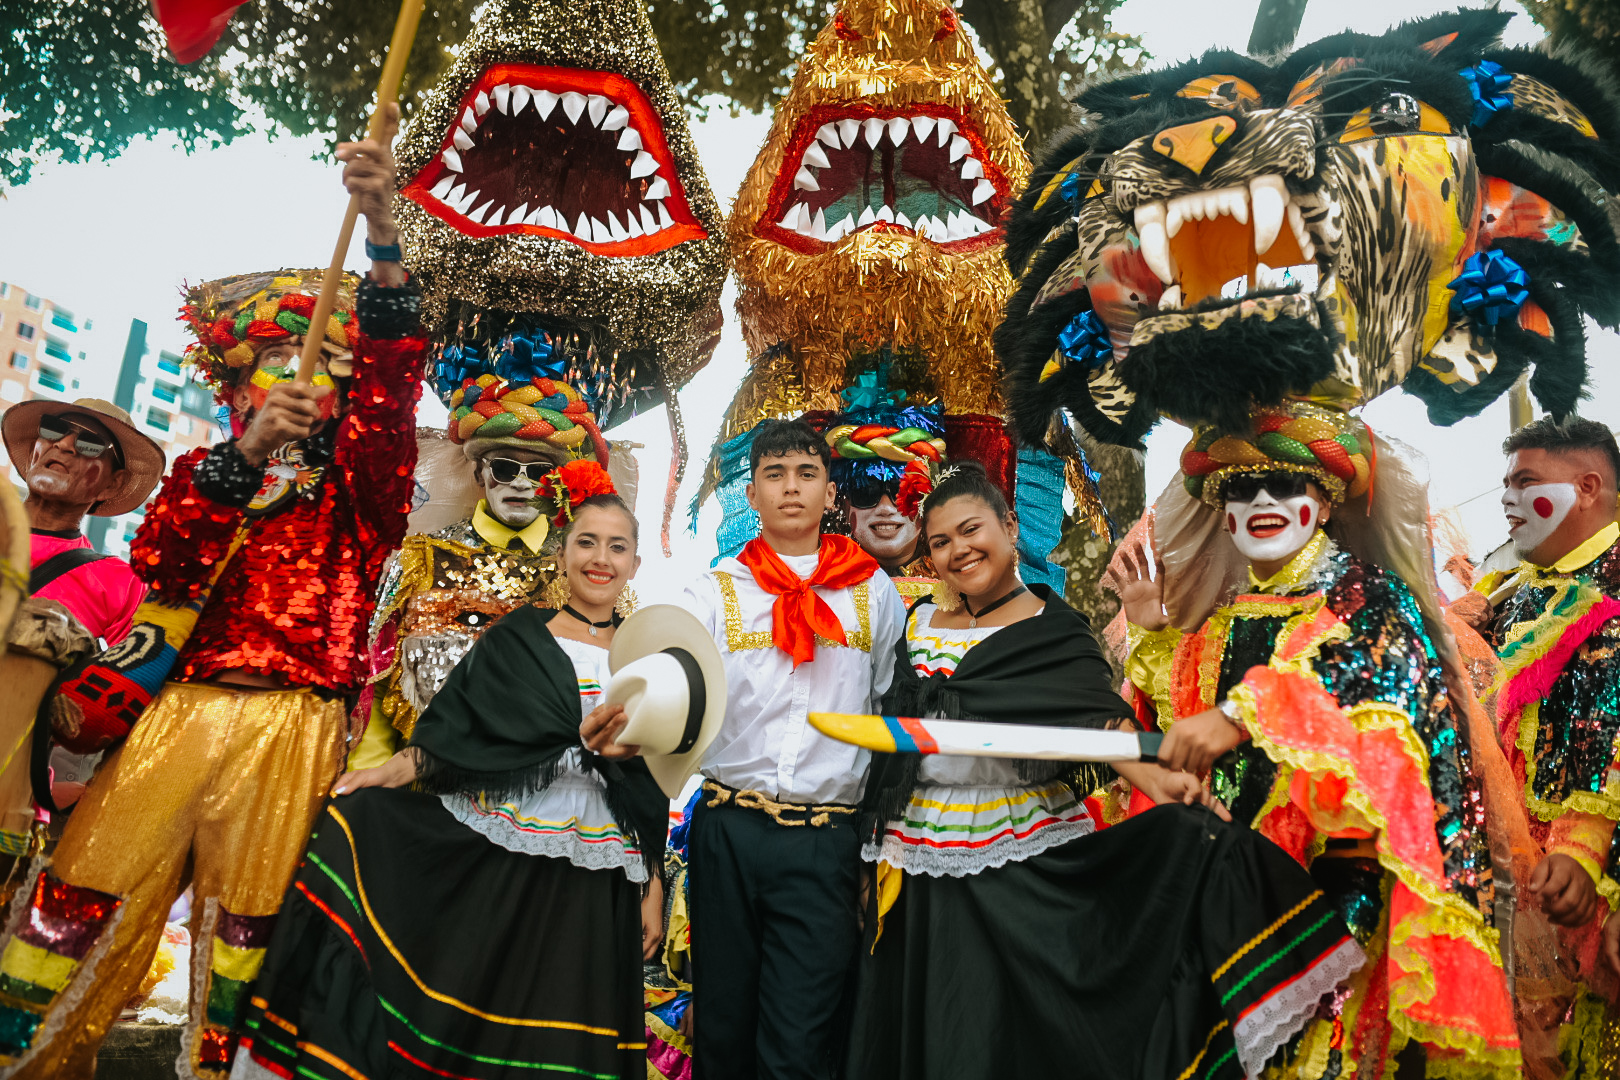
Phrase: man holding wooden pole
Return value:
(267, 549)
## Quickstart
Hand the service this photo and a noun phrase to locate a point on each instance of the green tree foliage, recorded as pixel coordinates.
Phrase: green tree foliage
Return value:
(742, 58)
(82, 78)
(1593, 24)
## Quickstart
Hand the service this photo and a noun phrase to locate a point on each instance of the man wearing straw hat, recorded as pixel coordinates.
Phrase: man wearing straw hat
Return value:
(262, 554)
(77, 458)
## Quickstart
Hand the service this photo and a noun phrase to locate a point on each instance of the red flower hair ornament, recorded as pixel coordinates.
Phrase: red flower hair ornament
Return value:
(572, 483)
(916, 484)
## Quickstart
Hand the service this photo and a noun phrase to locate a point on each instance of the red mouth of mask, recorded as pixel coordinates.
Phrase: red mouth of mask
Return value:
(922, 170)
(560, 152)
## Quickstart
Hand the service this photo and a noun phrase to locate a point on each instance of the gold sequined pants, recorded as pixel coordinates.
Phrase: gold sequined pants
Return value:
(223, 783)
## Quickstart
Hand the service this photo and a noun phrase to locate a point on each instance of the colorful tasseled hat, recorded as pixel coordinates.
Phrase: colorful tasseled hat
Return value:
(541, 414)
(1332, 447)
(233, 317)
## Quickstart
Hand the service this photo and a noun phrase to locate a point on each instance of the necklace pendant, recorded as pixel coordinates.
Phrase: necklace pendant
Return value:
(973, 624)
(592, 629)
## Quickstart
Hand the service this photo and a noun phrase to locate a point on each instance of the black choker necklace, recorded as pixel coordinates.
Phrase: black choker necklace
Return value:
(975, 616)
(594, 626)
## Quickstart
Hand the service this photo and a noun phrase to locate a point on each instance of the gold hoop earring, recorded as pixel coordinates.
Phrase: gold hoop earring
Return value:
(558, 592)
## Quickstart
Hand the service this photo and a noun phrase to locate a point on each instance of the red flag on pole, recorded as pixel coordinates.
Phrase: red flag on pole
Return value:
(193, 27)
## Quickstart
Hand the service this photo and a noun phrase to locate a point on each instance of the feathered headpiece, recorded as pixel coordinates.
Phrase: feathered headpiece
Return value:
(232, 318)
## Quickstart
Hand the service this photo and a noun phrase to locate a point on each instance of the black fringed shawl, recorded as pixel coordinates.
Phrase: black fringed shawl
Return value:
(1046, 670)
(506, 715)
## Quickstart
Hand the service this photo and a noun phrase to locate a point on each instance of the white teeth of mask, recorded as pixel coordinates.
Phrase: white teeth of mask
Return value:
(1541, 508)
(1300, 516)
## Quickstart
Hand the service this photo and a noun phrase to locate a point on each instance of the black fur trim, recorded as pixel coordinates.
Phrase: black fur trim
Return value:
(1574, 152)
(1558, 380)
(1116, 95)
(1584, 77)
(1215, 376)
(1446, 406)
(1550, 264)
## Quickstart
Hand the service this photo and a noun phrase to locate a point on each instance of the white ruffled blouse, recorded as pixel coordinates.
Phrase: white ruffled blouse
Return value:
(970, 814)
(569, 818)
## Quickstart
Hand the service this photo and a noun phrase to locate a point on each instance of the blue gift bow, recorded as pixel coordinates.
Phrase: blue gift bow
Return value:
(529, 356)
(1491, 286)
(1085, 340)
(870, 390)
(1488, 84)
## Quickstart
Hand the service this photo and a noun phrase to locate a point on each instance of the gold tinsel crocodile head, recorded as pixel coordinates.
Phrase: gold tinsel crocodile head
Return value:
(871, 219)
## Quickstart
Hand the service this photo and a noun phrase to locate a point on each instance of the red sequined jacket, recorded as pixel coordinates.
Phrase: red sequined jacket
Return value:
(296, 599)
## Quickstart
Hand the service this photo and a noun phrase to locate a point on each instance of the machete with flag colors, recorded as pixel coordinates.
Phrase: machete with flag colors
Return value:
(908, 734)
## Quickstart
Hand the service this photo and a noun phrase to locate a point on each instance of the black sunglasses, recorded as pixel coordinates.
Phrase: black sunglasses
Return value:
(505, 470)
(865, 493)
(1246, 487)
(88, 444)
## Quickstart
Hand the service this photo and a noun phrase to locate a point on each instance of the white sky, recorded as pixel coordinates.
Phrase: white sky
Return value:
(115, 240)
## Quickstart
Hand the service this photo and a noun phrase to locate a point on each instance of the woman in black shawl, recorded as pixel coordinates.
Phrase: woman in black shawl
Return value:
(1007, 936)
(489, 920)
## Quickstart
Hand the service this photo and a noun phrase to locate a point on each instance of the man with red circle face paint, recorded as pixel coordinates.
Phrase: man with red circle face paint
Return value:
(1555, 622)
(1308, 684)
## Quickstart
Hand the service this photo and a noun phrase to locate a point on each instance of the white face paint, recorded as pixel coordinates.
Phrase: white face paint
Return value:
(1535, 512)
(511, 504)
(1266, 530)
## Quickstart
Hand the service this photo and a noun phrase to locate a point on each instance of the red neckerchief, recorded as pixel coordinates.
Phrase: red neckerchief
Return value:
(798, 614)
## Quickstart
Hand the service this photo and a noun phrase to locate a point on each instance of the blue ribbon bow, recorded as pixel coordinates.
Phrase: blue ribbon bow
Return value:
(1488, 84)
(1085, 340)
(870, 390)
(1492, 286)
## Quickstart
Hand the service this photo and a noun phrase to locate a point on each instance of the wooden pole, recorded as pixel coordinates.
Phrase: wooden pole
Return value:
(1519, 411)
(399, 49)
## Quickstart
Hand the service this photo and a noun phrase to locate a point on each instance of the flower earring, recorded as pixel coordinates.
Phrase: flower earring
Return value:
(557, 591)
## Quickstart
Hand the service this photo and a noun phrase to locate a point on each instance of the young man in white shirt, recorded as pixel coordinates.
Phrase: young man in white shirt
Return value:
(805, 622)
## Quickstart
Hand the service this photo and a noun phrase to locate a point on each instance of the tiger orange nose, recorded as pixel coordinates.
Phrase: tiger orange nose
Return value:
(1192, 145)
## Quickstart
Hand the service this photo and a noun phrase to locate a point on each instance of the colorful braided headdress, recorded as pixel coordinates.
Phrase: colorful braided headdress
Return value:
(1333, 447)
(487, 412)
(233, 317)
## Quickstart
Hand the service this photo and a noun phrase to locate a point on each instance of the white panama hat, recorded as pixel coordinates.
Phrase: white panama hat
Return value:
(667, 673)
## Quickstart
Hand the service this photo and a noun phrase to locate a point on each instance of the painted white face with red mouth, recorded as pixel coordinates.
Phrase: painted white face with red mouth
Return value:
(1267, 530)
(1535, 512)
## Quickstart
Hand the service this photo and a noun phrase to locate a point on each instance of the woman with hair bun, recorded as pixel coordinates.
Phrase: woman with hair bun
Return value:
(481, 904)
(1005, 937)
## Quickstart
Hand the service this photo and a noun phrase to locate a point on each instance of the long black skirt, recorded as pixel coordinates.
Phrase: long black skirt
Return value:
(410, 945)
(1172, 945)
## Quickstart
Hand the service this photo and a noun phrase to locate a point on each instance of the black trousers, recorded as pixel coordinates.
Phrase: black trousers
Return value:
(775, 929)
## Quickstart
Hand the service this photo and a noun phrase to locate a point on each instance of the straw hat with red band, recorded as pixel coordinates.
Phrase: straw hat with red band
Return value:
(233, 318)
(1332, 447)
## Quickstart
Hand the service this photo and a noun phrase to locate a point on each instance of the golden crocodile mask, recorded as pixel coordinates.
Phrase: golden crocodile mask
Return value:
(872, 218)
